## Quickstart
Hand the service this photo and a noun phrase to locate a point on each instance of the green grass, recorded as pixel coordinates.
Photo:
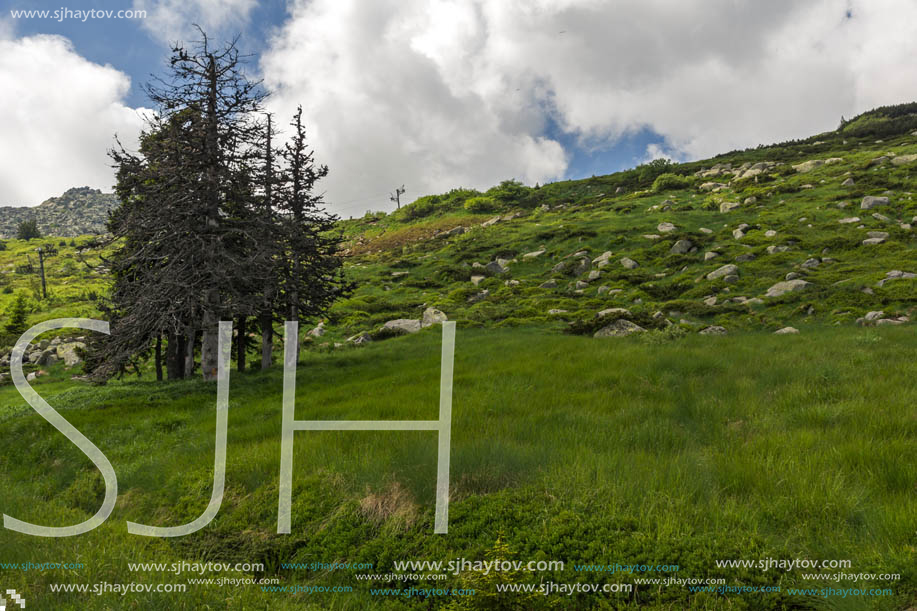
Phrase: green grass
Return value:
(565, 448)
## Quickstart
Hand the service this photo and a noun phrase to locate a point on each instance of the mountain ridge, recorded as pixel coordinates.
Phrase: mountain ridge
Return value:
(77, 211)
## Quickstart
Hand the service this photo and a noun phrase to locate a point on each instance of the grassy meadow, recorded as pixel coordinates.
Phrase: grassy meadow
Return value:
(636, 451)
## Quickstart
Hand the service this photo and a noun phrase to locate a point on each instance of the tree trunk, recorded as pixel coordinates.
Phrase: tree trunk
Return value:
(159, 357)
(267, 340)
(188, 343)
(209, 347)
(241, 344)
(175, 356)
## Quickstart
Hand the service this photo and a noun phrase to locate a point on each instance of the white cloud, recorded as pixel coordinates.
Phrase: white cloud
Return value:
(443, 93)
(172, 21)
(60, 113)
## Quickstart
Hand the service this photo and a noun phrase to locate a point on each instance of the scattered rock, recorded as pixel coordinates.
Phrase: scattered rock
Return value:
(476, 280)
(665, 227)
(681, 247)
(711, 255)
(713, 330)
(432, 316)
(904, 159)
(709, 231)
(608, 311)
(787, 286)
(848, 183)
(811, 263)
(619, 328)
(555, 311)
(402, 325)
(722, 272)
(849, 219)
(787, 331)
(808, 166)
(495, 267)
(318, 331)
(479, 296)
(359, 339)
(738, 234)
(870, 202)
(896, 275)
(533, 254)
(550, 284)
(629, 263)
(729, 206)
(793, 276)
(770, 233)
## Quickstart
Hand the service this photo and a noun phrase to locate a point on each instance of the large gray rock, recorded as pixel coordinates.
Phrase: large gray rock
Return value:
(681, 247)
(495, 267)
(722, 272)
(870, 202)
(808, 166)
(787, 286)
(69, 353)
(896, 274)
(318, 331)
(619, 328)
(402, 325)
(432, 316)
(610, 311)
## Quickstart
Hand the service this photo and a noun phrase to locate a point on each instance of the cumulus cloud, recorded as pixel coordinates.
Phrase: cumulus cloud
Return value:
(445, 93)
(60, 113)
(172, 20)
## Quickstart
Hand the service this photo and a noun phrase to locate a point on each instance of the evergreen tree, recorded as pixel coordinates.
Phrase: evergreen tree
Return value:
(17, 315)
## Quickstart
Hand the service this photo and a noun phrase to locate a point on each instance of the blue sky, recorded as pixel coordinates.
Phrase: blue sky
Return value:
(436, 94)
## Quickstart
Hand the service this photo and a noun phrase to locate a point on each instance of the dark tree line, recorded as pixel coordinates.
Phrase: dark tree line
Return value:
(216, 223)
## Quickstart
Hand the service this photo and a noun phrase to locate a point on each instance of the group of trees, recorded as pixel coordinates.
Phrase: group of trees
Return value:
(217, 222)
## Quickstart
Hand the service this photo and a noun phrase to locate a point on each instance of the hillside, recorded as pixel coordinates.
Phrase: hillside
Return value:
(78, 211)
(807, 232)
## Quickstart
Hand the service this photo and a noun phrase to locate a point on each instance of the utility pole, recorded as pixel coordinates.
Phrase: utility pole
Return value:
(43, 252)
(396, 197)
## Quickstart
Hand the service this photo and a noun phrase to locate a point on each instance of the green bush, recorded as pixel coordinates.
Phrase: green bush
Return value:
(480, 204)
(510, 193)
(669, 181)
(26, 230)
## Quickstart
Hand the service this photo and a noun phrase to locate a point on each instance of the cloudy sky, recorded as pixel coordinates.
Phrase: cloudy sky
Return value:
(436, 94)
